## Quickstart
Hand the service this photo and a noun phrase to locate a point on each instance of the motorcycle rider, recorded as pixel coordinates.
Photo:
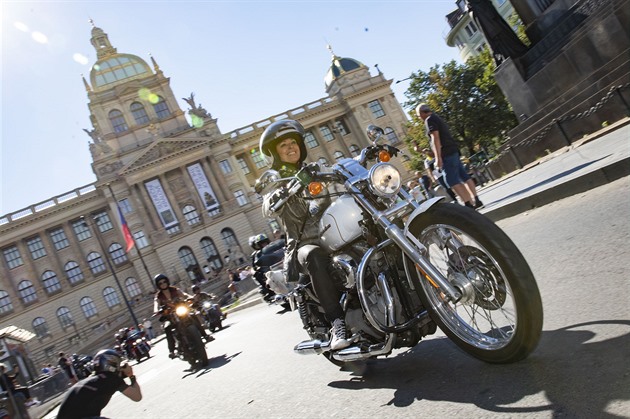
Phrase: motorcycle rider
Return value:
(265, 255)
(167, 295)
(199, 297)
(89, 396)
(283, 142)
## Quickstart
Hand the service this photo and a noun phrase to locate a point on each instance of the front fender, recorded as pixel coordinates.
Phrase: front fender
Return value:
(422, 208)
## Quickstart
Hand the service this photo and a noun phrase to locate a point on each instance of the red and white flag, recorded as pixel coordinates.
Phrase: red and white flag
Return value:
(126, 232)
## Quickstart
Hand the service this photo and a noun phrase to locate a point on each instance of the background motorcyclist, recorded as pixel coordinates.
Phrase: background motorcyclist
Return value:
(89, 396)
(283, 142)
(265, 255)
(167, 296)
(199, 297)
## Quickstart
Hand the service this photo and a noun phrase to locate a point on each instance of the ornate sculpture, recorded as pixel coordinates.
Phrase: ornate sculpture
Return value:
(502, 40)
(194, 109)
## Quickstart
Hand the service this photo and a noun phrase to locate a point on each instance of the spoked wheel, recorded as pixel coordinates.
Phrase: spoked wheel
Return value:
(499, 316)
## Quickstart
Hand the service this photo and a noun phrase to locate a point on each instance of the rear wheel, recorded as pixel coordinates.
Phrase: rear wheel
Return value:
(499, 317)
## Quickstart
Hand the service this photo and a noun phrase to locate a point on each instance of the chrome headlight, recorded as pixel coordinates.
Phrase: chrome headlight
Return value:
(182, 310)
(207, 304)
(385, 180)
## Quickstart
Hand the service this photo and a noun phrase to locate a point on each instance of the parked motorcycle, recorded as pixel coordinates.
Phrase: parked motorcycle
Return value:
(407, 268)
(190, 346)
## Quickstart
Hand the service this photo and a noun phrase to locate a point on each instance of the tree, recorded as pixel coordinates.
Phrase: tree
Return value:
(467, 97)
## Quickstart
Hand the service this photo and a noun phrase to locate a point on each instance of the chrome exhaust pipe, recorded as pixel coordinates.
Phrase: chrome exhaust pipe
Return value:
(310, 347)
(358, 353)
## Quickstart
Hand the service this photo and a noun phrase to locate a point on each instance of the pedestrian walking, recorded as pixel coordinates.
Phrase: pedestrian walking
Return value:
(447, 157)
(66, 365)
(434, 174)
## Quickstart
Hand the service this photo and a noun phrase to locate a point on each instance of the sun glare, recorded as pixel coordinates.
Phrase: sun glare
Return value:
(21, 26)
(80, 58)
(39, 37)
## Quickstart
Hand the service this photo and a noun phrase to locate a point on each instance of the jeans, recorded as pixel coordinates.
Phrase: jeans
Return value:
(314, 260)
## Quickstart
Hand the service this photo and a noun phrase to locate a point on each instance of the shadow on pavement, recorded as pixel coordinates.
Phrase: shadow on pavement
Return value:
(579, 373)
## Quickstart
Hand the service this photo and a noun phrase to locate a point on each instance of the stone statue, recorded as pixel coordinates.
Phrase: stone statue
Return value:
(93, 135)
(502, 40)
(194, 109)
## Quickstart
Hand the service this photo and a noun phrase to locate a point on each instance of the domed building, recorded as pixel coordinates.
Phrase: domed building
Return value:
(184, 190)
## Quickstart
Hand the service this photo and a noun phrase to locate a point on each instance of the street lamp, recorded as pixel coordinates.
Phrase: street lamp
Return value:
(111, 268)
(408, 78)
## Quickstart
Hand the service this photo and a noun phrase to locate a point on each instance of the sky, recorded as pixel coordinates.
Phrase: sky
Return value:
(244, 61)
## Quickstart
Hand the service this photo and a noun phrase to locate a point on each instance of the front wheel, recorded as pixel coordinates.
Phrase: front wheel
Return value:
(197, 347)
(499, 317)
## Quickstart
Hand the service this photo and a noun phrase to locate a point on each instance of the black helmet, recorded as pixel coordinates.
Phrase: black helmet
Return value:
(107, 360)
(157, 278)
(196, 288)
(278, 131)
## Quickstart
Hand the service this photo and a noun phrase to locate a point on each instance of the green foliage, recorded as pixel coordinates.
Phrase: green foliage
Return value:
(467, 97)
(515, 22)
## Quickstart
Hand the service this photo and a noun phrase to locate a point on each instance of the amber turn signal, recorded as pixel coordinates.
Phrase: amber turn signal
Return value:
(315, 188)
(384, 156)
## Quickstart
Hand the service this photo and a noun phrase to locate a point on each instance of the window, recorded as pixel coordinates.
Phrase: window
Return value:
(471, 29)
(140, 239)
(225, 166)
(240, 198)
(50, 282)
(12, 256)
(73, 272)
(132, 287)
(354, 150)
(5, 303)
(211, 253)
(391, 136)
(229, 238)
(326, 133)
(161, 109)
(338, 155)
(117, 253)
(243, 165)
(377, 110)
(81, 230)
(111, 297)
(118, 121)
(310, 140)
(341, 127)
(59, 239)
(27, 292)
(36, 247)
(139, 113)
(40, 327)
(65, 317)
(96, 263)
(191, 215)
(103, 222)
(187, 257)
(258, 159)
(125, 206)
(88, 307)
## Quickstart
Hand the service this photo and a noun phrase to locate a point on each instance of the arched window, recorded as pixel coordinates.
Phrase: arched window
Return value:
(73, 272)
(40, 327)
(391, 136)
(65, 317)
(50, 282)
(96, 263)
(132, 287)
(139, 113)
(27, 291)
(111, 297)
(191, 215)
(211, 253)
(354, 150)
(88, 307)
(338, 155)
(118, 121)
(117, 254)
(229, 238)
(5, 303)
(187, 257)
(161, 108)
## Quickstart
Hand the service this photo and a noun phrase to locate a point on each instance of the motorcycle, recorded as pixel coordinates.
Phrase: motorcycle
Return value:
(406, 268)
(82, 365)
(211, 313)
(190, 346)
(138, 346)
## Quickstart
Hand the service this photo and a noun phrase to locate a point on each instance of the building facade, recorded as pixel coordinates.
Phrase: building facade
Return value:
(185, 190)
(464, 33)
